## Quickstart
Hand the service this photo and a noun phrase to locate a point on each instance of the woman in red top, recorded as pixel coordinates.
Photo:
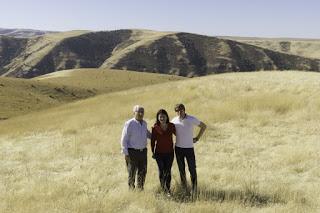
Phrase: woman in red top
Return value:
(162, 147)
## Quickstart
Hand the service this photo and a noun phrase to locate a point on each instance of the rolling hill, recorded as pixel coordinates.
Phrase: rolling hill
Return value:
(309, 48)
(26, 54)
(260, 152)
(175, 53)
(21, 96)
(22, 33)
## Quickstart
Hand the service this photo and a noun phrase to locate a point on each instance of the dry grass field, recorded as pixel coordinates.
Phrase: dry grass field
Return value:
(260, 152)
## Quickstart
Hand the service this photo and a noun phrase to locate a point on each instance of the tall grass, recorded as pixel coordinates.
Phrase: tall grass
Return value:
(259, 154)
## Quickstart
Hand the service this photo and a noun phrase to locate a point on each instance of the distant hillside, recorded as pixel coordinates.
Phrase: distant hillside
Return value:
(22, 33)
(21, 96)
(181, 54)
(303, 47)
(23, 55)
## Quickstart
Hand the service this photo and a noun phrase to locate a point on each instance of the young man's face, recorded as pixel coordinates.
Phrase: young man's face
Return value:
(139, 114)
(181, 113)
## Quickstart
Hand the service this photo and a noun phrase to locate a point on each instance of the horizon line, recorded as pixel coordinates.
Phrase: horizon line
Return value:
(198, 33)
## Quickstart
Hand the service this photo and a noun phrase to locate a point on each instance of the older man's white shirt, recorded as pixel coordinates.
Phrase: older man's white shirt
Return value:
(134, 135)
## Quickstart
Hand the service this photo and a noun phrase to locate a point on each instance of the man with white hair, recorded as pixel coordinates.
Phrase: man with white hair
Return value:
(134, 147)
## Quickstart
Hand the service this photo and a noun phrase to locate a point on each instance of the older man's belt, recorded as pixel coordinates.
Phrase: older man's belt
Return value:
(139, 150)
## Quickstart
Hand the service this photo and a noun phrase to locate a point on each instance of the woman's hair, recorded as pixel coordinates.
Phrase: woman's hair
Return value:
(162, 111)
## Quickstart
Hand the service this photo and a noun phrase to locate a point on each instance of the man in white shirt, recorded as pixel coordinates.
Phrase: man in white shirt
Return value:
(134, 147)
(184, 144)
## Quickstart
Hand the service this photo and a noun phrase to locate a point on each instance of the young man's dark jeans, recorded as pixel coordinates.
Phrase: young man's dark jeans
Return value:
(164, 161)
(187, 153)
(137, 164)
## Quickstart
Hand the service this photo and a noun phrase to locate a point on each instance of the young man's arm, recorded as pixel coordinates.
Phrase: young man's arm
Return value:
(203, 127)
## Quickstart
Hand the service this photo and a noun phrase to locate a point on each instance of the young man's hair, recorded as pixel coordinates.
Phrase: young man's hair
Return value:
(179, 107)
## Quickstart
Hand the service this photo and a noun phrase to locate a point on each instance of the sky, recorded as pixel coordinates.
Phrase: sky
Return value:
(256, 18)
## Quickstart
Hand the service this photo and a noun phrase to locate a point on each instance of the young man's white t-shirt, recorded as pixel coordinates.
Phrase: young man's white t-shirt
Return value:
(184, 130)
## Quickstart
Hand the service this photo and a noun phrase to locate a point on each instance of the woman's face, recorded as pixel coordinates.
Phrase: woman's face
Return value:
(162, 118)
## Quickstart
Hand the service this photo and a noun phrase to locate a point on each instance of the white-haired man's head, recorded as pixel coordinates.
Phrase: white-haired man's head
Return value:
(138, 112)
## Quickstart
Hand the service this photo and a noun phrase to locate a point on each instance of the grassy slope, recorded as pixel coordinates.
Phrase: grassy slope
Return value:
(37, 48)
(138, 38)
(259, 154)
(303, 47)
(105, 80)
(20, 96)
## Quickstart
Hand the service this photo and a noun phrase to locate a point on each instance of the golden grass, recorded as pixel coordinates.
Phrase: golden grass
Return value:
(259, 154)
(21, 96)
(105, 80)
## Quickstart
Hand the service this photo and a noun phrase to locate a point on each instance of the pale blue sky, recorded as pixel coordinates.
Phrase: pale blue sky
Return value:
(268, 18)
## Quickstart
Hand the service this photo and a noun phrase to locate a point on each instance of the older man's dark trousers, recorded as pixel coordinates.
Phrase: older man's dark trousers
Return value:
(188, 154)
(137, 166)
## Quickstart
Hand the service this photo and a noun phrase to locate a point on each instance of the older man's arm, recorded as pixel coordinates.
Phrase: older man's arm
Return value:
(149, 134)
(203, 127)
(124, 140)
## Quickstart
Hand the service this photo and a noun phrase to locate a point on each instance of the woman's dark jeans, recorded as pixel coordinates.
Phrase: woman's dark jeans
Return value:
(164, 161)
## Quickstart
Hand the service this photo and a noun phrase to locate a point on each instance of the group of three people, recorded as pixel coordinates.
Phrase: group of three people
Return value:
(134, 146)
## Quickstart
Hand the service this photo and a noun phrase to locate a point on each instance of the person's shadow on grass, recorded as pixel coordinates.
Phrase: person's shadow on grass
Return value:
(247, 197)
